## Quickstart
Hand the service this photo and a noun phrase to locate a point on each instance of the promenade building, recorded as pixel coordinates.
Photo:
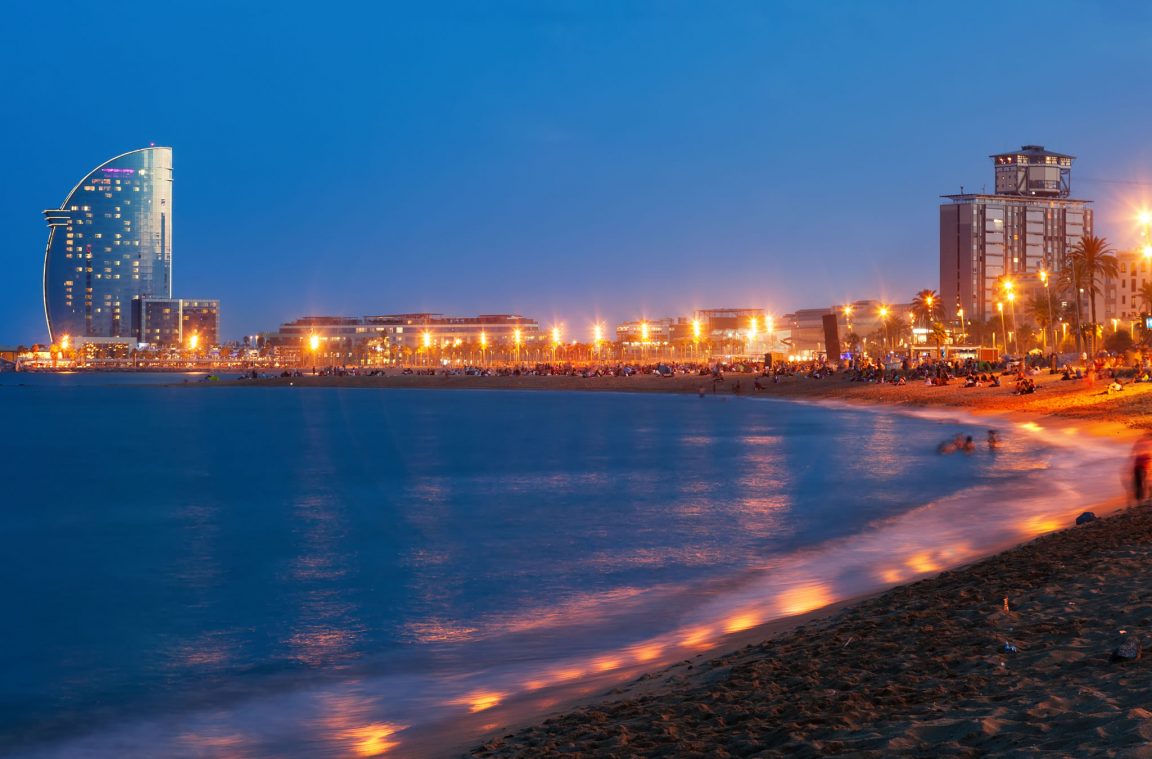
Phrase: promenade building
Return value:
(1023, 232)
(882, 326)
(372, 339)
(650, 331)
(176, 322)
(110, 246)
(1121, 297)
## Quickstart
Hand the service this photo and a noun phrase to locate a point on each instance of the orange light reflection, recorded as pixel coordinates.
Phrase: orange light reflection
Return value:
(804, 598)
(372, 739)
(478, 701)
(741, 622)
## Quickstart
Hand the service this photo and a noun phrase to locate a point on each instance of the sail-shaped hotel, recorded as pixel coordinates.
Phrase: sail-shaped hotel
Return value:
(109, 255)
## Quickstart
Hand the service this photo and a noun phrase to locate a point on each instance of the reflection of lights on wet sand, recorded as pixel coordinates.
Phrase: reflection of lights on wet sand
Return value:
(697, 637)
(571, 673)
(1039, 525)
(606, 664)
(646, 652)
(372, 740)
(1031, 427)
(891, 575)
(741, 622)
(804, 598)
(923, 562)
(345, 711)
(478, 701)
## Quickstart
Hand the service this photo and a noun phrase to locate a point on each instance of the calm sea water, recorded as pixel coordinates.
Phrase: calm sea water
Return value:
(241, 571)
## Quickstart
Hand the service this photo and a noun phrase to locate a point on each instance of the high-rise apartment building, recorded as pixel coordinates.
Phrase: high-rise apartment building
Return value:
(1027, 227)
(110, 242)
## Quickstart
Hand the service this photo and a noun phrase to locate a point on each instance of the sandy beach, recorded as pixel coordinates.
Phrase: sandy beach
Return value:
(1012, 655)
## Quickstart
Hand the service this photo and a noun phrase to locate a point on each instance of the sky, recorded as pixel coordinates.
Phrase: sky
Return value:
(569, 161)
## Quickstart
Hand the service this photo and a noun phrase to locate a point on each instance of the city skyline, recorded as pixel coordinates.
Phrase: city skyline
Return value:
(574, 163)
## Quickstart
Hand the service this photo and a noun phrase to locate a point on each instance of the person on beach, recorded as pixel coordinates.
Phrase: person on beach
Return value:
(1141, 458)
(993, 440)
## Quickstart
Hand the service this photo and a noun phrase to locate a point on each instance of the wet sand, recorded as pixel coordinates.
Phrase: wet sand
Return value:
(923, 669)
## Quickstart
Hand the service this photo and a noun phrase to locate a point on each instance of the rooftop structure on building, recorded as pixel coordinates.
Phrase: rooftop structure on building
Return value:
(1022, 233)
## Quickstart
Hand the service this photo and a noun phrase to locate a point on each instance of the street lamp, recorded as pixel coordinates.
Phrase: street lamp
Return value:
(884, 323)
(696, 338)
(555, 342)
(597, 338)
(314, 345)
(1015, 329)
(1044, 277)
(1003, 325)
(516, 340)
(483, 347)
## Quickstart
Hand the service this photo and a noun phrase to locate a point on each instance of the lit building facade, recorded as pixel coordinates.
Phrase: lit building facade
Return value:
(110, 242)
(1027, 227)
(173, 322)
(1122, 299)
(364, 340)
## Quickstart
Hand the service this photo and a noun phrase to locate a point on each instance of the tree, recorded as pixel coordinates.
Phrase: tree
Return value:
(925, 305)
(852, 342)
(1145, 295)
(1094, 262)
(939, 334)
(1038, 308)
(1119, 341)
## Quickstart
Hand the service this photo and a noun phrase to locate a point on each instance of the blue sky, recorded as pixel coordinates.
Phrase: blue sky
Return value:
(564, 160)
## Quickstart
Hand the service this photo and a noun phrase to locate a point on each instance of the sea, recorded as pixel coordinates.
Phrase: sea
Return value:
(240, 571)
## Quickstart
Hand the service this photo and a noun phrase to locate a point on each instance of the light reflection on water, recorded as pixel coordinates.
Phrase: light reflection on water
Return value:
(381, 565)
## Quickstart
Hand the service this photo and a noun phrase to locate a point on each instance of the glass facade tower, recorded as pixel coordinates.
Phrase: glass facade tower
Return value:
(109, 243)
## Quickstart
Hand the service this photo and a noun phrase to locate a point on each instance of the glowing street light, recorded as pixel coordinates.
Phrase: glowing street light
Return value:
(193, 341)
(1015, 329)
(1003, 324)
(314, 345)
(555, 341)
(483, 347)
(597, 337)
(65, 340)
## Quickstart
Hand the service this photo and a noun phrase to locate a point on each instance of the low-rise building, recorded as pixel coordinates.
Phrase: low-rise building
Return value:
(367, 340)
(176, 322)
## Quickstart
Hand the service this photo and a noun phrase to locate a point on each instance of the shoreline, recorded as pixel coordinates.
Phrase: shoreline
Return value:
(647, 714)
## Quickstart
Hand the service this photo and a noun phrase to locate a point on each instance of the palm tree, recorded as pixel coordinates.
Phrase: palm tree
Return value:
(1037, 308)
(1095, 262)
(925, 305)
(1145, 295)
(940, 334)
